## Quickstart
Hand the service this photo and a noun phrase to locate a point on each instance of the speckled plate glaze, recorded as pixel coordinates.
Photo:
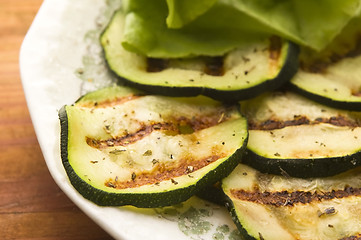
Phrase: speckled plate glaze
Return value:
(60, 60)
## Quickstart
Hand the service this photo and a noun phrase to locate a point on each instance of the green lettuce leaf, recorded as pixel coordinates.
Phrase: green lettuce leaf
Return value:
(176, 28)
(146, 31)
(308, 22)
(182, 12)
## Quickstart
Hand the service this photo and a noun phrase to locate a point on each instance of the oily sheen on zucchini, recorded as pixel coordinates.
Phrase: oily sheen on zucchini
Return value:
(241, 74)
(120, 147)
(291, 135)
(274, 207)
(333, 76)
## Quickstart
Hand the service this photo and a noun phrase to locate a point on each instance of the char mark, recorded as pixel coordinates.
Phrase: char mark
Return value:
(273, 124)
(287, 198)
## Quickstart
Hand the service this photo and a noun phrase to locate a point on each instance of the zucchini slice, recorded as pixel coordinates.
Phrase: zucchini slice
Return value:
(333, 76)
(292, 135)
(120, 147)
(275, 207)
(240, 74)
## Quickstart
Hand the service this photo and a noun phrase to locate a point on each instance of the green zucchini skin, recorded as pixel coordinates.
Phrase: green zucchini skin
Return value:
(302, 168)
(143, 199)
(188, 87)
(345, 105)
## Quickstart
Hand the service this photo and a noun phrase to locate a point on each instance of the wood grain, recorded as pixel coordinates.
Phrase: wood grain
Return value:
(31, 205)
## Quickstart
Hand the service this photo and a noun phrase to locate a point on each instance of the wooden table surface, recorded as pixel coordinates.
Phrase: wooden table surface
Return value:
(31, 204)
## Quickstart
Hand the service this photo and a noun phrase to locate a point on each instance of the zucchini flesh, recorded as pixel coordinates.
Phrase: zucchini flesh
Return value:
(276, 207)
(240, 74)
(120, 147)
(333, 76)
(289, 134)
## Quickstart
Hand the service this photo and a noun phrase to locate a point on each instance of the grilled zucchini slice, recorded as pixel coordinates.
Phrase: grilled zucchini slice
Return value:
(240, 74)
(333, 76)
(292, 135)
(270, 207)
(120, 147)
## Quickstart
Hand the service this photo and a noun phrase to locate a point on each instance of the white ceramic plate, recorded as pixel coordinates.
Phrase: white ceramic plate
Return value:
(60, 60)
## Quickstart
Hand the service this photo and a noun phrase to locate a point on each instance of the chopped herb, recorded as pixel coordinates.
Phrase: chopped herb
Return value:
(260, 236)
(148, 153)
(245, 59)
(284, 173)
(328, 211)
(80, 71)
(117, 151)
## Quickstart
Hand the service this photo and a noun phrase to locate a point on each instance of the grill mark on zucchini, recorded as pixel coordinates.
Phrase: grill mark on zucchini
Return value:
(275, 47)
(156, 64)
(272, 124)
(320, 65)
(212, 65)
(356, 93)
(286, 198)
(161, 172)
(182, 125)
(129, 138)
(358, 237)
